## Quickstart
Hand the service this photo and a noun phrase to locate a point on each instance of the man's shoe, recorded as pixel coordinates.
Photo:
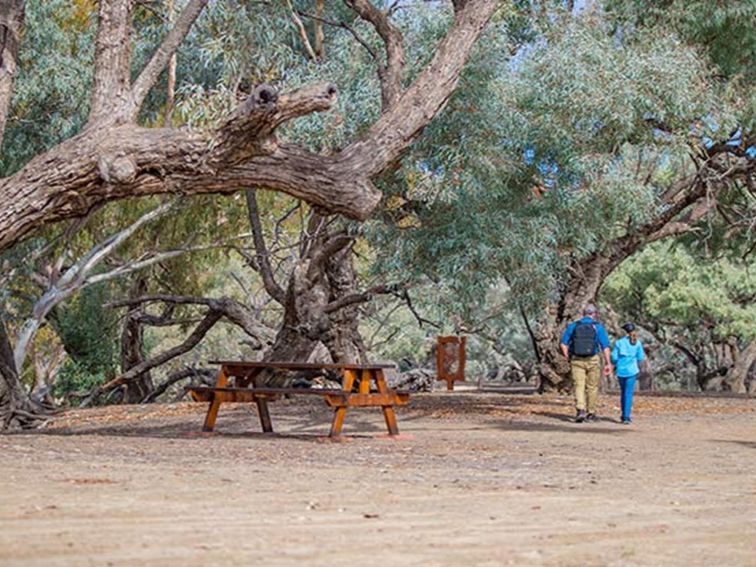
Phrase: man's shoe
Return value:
(580, 417)
(591, 417)
(626, 421)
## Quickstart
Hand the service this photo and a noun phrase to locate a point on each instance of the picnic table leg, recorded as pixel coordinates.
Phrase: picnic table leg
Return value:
(388, 411)
(340, 412)
(262, 411)
(212, 411)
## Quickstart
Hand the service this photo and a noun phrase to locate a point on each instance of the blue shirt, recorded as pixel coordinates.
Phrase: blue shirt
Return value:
(626, 356)
(602, 339)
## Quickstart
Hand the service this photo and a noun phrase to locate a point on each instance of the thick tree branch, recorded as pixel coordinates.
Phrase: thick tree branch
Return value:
(109, 163)
(188, 344)
(111, 92)
(249, 130)
(75, 278)
(11, 21)
(261, 251)
(362, 297)
(392, 72)
(427, 95)
(333, 244)
(163, 54)
(235, 312)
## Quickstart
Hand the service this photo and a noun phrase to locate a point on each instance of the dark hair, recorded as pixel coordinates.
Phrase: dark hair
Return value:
(629, 327)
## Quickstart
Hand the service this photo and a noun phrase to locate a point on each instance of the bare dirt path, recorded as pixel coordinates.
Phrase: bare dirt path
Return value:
(477, 479)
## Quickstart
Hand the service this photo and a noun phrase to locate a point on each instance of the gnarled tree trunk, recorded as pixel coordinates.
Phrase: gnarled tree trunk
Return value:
(737, 377)
(17, 409)
(132, 347)
(581, 289)
(320, 304)
(344, 342)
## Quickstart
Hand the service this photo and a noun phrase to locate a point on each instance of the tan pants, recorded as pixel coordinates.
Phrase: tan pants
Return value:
(585, 376)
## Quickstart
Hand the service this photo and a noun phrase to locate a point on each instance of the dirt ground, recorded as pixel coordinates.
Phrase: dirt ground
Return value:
(475, 479)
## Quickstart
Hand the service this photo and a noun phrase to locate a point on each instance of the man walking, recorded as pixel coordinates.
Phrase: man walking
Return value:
(581, 344)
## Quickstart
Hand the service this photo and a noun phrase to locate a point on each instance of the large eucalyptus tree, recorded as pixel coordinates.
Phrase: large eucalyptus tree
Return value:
(113, 157)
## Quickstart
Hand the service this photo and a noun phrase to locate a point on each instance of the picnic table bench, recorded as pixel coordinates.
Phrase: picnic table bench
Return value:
(236, 382)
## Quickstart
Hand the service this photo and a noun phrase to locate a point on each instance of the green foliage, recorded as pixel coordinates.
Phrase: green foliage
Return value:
(724, 31)
(51, 90)
(76, 377)
(543, 158)
(90, 333)
(560, 137)
(666, 285)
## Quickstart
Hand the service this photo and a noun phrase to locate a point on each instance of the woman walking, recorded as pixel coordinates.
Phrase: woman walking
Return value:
(626, 354)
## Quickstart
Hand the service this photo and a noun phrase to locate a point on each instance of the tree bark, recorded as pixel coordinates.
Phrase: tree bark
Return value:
(583, 287)
(344, 342)
(132, 347)
(11, 22)
(736, 378)
(17, 409)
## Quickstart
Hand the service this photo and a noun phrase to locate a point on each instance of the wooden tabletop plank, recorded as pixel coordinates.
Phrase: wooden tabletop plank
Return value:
(273, 391)
(300, 365)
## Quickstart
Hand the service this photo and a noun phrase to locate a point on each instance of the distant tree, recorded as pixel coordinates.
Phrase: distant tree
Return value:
(703, 309)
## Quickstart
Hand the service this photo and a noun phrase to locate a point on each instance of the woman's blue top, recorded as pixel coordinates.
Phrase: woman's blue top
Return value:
(626, 356)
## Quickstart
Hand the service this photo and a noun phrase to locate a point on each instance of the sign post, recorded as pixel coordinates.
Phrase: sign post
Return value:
(450, 360)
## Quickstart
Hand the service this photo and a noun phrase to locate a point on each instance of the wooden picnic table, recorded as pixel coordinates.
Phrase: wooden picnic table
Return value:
(236, 382)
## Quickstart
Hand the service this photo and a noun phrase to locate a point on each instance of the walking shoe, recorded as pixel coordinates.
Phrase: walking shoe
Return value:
(580, 417)
(626, 421)
(591, 417)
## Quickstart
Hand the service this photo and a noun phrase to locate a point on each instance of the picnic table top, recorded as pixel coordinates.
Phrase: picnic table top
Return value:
(300, 365)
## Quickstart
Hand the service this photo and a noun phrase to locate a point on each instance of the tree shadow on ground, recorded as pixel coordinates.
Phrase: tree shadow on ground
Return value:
(239, 422)
(749, 444)
(571, 418)
(568, 427)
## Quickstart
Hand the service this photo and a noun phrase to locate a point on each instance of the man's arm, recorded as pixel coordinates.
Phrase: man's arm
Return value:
(607, 361)
(565, 341)
(603, 339)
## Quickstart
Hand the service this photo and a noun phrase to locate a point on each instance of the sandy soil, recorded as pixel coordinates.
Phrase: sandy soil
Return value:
(475, 479)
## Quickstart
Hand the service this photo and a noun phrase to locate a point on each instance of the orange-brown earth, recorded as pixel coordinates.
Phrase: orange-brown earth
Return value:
(475, 479)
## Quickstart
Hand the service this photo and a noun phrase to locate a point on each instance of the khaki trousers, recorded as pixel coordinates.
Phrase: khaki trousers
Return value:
(585, 376)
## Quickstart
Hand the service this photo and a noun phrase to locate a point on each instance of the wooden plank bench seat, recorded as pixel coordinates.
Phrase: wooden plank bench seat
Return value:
(243, 374)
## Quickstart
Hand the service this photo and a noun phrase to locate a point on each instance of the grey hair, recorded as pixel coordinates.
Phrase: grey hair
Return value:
(590, 309)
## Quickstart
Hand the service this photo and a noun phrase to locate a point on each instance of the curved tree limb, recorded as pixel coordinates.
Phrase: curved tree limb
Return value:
(392, 72)
(361, 297)
(199, 332)
(261, 251)
(162, 56)
(177, 377)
